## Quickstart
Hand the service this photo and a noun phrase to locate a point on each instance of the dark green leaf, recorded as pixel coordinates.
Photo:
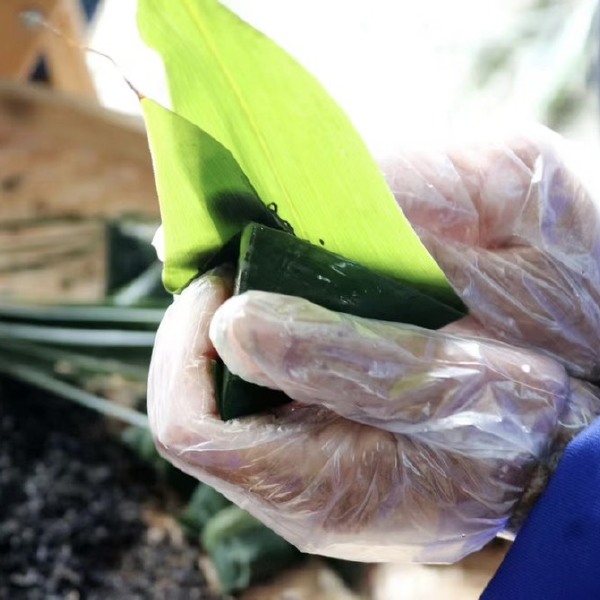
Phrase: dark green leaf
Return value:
(244, 550)
(204, 504)
(205, 199)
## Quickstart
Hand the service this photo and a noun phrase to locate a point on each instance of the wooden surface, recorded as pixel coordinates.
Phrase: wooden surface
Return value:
(23, 42)
(465, 580)
(19, 45)
(65, 160)
(315, 581)
(312, 581)
(53, 261)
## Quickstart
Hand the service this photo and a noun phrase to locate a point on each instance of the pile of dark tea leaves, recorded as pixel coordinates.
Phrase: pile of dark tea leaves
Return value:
(74, 510)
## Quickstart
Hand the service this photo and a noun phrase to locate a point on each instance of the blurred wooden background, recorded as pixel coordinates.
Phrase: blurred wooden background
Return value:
(67, 167)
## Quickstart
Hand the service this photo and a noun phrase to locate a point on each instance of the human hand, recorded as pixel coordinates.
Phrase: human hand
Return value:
(518, 236)
(404, 443)
(407, 443)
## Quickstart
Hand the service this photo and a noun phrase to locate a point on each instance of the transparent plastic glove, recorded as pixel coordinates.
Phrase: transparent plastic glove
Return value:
(518, 236)
(406, 443)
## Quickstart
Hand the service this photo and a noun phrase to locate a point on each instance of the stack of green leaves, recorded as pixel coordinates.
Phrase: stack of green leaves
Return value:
(90, 353)
(242, 549)
(82, 353)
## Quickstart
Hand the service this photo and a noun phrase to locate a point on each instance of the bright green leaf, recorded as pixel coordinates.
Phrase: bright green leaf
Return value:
(296, 146)
(205, 198)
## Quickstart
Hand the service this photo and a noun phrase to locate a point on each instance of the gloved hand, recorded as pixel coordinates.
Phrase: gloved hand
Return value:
(518, 236)
(403, 442)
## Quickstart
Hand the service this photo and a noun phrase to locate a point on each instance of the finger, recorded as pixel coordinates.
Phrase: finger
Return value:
(527, 297)
(254, 461)
(394, 377)
(471, 194)
(496, 194)
(516, 233)
(326, 484)
(181, 394)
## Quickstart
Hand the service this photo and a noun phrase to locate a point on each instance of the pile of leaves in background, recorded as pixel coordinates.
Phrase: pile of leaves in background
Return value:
(71, 491)
(243, 550)
(75, 510)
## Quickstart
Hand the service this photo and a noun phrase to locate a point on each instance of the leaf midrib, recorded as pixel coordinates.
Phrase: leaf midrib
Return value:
(245, 109)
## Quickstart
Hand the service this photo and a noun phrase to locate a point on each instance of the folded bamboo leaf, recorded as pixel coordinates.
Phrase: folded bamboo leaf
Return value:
(227, 522)
(296, 146)
(252, 557)
(238, 398)
(274, 261)
(205, 198)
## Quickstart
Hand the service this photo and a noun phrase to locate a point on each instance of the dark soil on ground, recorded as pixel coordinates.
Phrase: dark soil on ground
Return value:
(74, 505)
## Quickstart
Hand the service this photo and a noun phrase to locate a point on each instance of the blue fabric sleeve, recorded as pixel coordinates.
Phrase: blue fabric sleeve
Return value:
(556, 556)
